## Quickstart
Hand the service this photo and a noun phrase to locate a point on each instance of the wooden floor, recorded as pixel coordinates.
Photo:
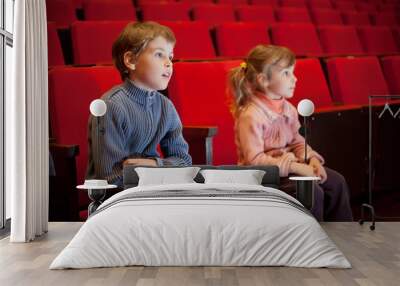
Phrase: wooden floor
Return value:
(375, 256)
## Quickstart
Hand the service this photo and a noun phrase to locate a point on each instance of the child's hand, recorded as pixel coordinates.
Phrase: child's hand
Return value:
(141, 161)
(319, 170)
(302, 169)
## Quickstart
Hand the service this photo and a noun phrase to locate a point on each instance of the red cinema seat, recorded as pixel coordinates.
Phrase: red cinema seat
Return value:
(340, 40)
(92, 40)
(391, 70)
(396, 34)
(55, 55)
(293, 15)
(326, 17)
(62, 12)
(198, 1)
(352, 80)
(214, 14)
(311, 83)
(356, 18)
(198, 91)
(259, 13)
(293, 3)
(232, 2)
(274, 3)
(237, 39)
(345, 5)
(324, 4)
(193, 40)
(301, 38)
(71, 90)
(166, 12)
(109, 10)
(377, 40)
(366, 7)
(387, 18)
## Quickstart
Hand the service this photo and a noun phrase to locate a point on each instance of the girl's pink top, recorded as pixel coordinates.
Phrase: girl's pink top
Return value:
(267, 133)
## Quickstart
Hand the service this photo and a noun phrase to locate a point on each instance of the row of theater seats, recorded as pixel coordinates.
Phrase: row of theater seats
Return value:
(64, 13)
(197, 87)
(92, 40)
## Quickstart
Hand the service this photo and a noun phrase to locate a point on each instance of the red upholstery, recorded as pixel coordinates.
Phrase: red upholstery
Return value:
(55, 56)
(60, 11)
(166, 12)
(387, 18)
(233, 2)
(70, 92)
(311, 83)
(293, 15)
(326, 17)
(377, 40)
(391, 70)
(320, 4)
(345, 5)
(140, 3)
(356, 18)
(109, 10)
(198, 1)
(198, 91)
(396, 34)
(274, 3)
(92, 40)
(193, 40)
(236, 39)
(352, 80)
(293, 3)
(259, 13)
(301, 38)
(366, 7)
(340, 40)
(214, 14)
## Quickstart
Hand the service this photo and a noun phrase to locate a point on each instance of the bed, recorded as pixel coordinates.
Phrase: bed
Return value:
(201, 224)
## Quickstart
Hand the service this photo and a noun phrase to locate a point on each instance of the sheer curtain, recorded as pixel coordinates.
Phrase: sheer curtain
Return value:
(27, 145)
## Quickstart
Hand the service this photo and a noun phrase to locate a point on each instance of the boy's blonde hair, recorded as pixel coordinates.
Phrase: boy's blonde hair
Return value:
(243, 79)
(134, 38)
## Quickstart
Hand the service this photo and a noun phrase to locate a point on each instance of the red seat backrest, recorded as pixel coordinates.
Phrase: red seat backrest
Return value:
(214, 14)
(55, 55)
(326, 17)
(325, 4)
(258, 13)
(199, 93)
(236, 39)
(61, 11)
(293, 3)
(340, 40)
(71, 90)
(109, 10)
(302, 38)
(344, 5)
(274, 3)
(165, 12)
(377, 40)
(352, 80)
(391, 70)
(311, 83)
(92, 40)
(293, 15)
(356, 18)
(193, 40)
(386, 18)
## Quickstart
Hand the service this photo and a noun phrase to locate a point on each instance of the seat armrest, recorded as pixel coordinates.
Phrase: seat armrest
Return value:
(200, 139)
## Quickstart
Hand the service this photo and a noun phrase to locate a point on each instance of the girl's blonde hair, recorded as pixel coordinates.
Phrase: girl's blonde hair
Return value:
(134, 38)
(261, 59)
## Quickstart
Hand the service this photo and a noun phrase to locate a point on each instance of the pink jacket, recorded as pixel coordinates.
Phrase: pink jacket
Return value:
(264, 137)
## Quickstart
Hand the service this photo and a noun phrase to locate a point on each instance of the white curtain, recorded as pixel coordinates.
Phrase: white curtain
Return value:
(27, 147)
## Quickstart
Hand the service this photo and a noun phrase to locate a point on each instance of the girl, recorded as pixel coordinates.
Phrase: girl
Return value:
(266, 128)
(138, 117)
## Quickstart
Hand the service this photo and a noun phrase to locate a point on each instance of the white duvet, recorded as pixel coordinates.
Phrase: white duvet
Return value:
(183, 231)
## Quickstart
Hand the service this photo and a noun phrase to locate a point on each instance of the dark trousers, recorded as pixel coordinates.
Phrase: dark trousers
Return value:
(331, 199)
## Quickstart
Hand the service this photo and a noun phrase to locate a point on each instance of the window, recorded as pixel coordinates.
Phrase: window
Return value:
(6, 63)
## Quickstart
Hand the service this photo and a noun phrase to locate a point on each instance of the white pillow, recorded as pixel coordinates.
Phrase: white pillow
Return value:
(165, 176)
(249, 177)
